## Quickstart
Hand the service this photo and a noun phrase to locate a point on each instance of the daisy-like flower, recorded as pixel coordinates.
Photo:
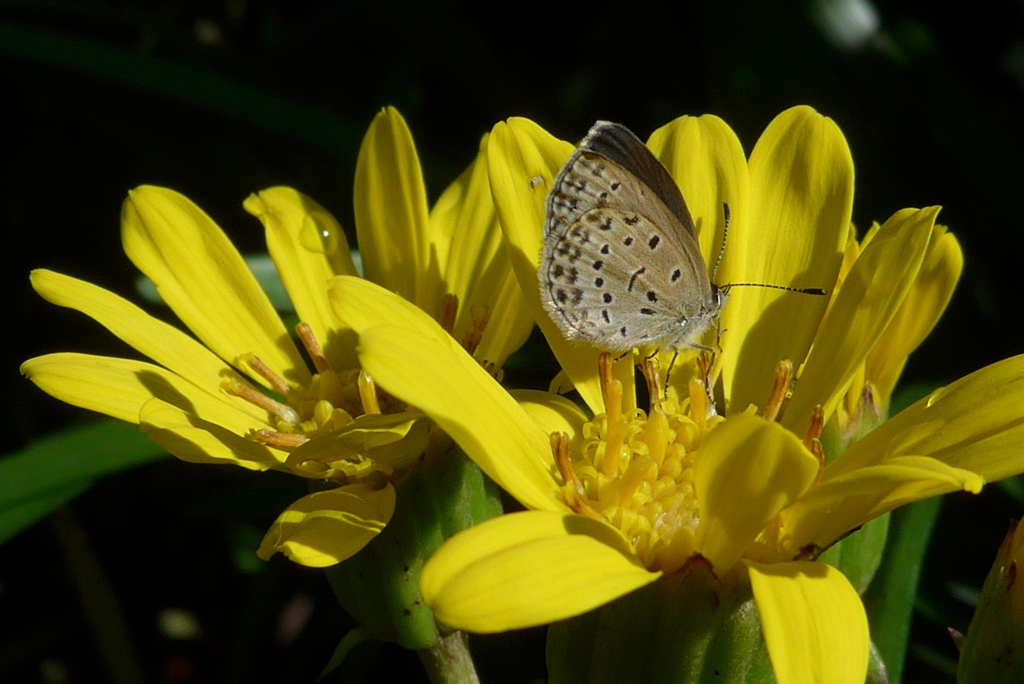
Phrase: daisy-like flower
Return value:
(728, 474)
(243, 392)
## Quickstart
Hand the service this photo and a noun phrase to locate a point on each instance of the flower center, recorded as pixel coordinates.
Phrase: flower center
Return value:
(329, 402)
(635, 471)
(332, 401)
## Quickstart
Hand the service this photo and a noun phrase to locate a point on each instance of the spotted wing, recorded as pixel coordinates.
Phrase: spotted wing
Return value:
(621, 266)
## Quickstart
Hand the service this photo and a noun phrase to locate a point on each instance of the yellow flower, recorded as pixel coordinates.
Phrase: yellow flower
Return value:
(629, 496)
(244, 393)
(867, 400)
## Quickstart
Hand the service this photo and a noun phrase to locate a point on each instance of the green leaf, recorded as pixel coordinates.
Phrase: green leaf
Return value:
(890, 598)
(50, 472)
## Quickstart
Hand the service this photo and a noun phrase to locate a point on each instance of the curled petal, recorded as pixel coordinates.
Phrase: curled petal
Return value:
(869, 298)
(750, 460)
(193, 438)
(975, 424)
(529, 568)
(840, 504)
(394, 440)
(325, 528)
(918, 314)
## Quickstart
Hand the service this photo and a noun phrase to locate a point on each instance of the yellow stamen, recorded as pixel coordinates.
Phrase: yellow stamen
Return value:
(281, 440)
(780, 390)
(706, 362)
(313, 348)
(611, 389)
(257, 398)
(609, 465)
(652, 374)
(471, 340)
(698, 404)
(368, 393)
(812, 438)
(449, 310)
(815, 427)
(657, 436)
(639, 471)
(575, 491)
(494, 371)
(279, 384)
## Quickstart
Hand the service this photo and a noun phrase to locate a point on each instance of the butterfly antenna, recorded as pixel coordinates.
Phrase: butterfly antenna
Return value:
(726, 288)
(801, 290)
(725, 238)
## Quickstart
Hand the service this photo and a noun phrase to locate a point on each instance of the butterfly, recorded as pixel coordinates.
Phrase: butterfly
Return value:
(621, 266)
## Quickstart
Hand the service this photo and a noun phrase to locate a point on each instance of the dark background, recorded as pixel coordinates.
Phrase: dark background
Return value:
(221, 99)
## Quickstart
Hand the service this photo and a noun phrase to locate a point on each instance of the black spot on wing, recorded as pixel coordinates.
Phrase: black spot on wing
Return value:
(636, 274)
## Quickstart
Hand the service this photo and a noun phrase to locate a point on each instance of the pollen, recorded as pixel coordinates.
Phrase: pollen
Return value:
(634, 470)
(331, 400)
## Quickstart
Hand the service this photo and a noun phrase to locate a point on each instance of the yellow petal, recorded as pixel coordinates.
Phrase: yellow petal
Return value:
(466, 237)
(205, 281)
(813, 622)
(309, 248)
(801, 197)
(523, 160)
(863, 308)
(325, 528)
(551, 412)
(163, 343)
(918, 314)
(408, 354)
(840, 504)
(529, 568)
(394, 440)
(196, 439)
(120, 387)
(750, 460)
(706, 160)
(106, 385)
(391, 211)
(975, 424)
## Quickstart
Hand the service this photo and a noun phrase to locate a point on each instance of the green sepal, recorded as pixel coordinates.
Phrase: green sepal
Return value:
(859, 554)
(379, 586)
(686, 628)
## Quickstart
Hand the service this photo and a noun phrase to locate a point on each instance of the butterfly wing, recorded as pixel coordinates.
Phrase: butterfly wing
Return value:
(621, 266)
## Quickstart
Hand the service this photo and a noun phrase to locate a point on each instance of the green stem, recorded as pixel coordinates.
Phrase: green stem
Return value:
(449, 661)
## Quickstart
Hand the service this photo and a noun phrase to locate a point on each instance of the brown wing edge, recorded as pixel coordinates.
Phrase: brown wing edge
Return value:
(621, 146)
